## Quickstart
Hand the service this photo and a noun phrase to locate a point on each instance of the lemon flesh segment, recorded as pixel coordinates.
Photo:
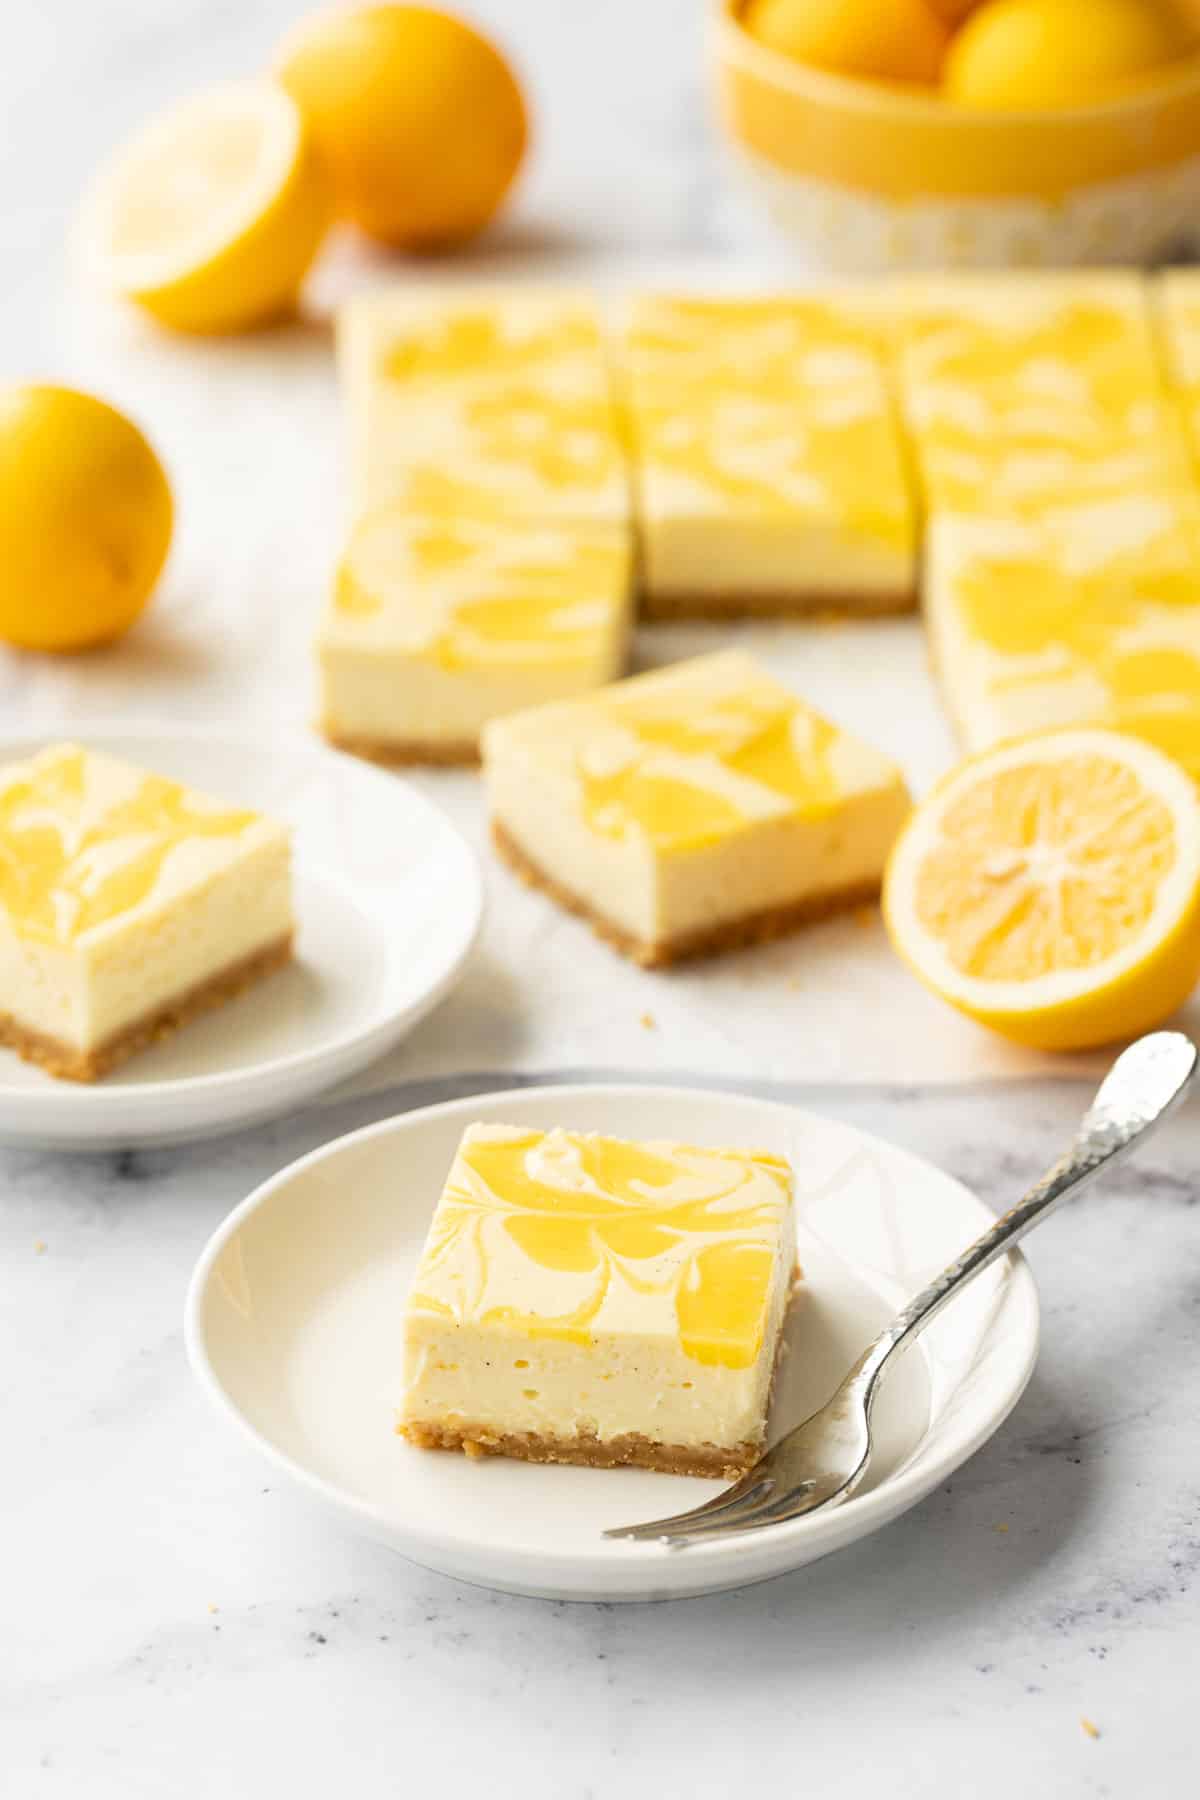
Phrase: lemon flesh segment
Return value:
(212, 215)
(1051, 889)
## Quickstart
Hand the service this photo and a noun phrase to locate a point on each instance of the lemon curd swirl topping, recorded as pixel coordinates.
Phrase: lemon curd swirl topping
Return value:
(467, 342)
(1071, 402)
(689, 772)
(530, 406)
(769, 406)
(662, 1237)
(468, 595)
(1128, 623)
(70, 861)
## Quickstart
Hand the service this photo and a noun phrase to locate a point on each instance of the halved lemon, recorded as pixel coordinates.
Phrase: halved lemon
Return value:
(1050, 888)
(210, 217)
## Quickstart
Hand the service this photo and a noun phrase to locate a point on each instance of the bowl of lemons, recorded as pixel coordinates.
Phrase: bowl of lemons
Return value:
(908, 134)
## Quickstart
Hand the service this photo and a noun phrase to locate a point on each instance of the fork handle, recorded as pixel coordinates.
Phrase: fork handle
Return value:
(1118, 1119)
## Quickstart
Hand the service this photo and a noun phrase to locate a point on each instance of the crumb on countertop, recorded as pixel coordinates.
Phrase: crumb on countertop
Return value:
(648, 1022)
(39, 1246)
(1002, 1528)
(1090, 1727)
(212, 1607)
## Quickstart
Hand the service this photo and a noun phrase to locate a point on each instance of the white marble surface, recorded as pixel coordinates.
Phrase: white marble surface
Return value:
(177, 1624)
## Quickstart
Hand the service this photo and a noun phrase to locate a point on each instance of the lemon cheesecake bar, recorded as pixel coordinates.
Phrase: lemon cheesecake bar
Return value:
(1177, 296)
(1087, 614)
(437, 624)
(488, 403)
(127, 903)
(693, 809)
(767, 466)
(582, 1299)
(1021, 391)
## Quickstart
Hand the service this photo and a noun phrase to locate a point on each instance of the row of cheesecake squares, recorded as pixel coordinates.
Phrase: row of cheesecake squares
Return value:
(580, 1298)
(683, 812)
(773, 454)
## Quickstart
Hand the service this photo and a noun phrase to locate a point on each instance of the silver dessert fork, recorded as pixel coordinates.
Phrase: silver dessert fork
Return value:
(823, 1460)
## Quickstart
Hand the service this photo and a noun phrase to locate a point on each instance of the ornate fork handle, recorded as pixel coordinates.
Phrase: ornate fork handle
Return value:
(821, 1461)
(1104, 1136)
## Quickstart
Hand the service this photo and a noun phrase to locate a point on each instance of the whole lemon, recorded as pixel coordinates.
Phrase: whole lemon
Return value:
(419, 119)
(953, 11)
(890, 40)
(85, 519)
(1188, 14)
(1019, 53)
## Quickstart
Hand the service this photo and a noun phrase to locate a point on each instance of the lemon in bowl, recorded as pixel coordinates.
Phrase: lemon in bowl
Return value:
(892, 40)
(85, 519)
(1030, 53)
(210, 217)
(871, 169)
(418, 118)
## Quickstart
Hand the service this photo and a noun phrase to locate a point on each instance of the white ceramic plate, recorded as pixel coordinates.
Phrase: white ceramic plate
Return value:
(389, 900)
(294, 1328)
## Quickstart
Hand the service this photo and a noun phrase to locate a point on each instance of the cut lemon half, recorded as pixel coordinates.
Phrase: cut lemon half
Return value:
(210, 217)
(1050, 888)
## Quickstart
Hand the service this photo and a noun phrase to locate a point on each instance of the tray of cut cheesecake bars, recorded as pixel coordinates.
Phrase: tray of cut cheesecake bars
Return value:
(610, 1278)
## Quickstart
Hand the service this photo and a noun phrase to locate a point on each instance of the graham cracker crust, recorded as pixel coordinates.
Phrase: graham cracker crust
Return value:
(407, 753)
(736, 603)
(629, 1451)
(67, 1063)
(731, 934)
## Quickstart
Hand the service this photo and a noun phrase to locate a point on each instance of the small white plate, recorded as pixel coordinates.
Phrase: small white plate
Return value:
(294, 1329)
(389, 900)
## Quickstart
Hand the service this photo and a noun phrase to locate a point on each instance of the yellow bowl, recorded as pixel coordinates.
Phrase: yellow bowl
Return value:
(869, 176)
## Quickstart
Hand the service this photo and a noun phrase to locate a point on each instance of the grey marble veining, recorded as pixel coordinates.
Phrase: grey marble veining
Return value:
(179, 1622)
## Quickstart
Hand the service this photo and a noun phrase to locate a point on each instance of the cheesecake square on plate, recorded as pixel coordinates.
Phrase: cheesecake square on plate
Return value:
(582, 1299)
(436, 625)
(488, 402)
(693, 809)
(128, 903)
(767, 465)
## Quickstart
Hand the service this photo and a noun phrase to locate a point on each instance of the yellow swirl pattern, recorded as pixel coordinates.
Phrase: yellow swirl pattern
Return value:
(562, 1235)
(765, 407)
(1179, 303)
(465, 594)
(1064, 580)
(698, 766)
(84, 840)
(1060, 396)
(493, 408)
(1115, 641)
